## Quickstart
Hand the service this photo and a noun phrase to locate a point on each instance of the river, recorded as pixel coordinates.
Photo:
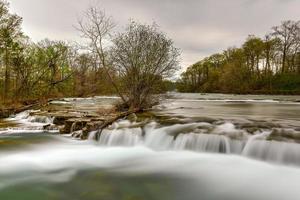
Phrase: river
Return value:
(191, 146)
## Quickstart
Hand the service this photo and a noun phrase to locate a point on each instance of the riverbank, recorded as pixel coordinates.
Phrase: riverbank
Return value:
(78, 116)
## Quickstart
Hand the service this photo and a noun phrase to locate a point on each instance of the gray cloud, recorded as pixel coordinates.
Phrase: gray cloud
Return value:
(198, 27)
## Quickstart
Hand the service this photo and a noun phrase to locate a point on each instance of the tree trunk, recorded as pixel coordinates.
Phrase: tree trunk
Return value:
(283, 60)
(7, 77)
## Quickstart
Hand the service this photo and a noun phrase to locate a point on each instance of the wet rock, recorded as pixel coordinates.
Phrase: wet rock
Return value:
(253, 130)
(207, 119)
(92, 126)
(259, 125)
(61, 119)
(45, 127)
(72, 125)
(167, 120)
(50, 127)
(91, 115)
(98, 119)
(279, 134)
(77, 134)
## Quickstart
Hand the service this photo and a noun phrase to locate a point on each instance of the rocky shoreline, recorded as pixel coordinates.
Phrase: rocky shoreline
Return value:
(77, 116)
(68, 115)
(79, 124)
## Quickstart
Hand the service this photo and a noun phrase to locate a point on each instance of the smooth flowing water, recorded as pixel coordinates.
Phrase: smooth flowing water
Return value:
(192, 146)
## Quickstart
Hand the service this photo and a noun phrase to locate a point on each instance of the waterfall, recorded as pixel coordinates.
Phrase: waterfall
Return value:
(253, 139)
(29, 117)
(200, 137)
(40, 119)
(175, 137)
(73, 127)
(274, 151)
(21, 115)
(202, 142)
(121, 137)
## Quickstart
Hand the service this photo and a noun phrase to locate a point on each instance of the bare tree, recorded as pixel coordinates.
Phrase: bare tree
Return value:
(287, 33)
(96, 27)
(143, 56)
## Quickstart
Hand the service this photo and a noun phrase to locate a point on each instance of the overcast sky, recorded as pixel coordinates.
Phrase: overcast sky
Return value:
(198, 27)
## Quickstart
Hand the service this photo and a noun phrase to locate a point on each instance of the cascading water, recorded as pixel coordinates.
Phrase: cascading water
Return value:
(203, 143)
(121, 137)
(279, 152)
(29, 117)
(222, 137)
(28, 122)
(73, 127)
(40, 119)
(201, 137)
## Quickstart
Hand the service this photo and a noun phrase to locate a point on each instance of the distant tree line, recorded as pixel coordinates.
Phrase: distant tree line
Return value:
(261, 65)
(132, 64)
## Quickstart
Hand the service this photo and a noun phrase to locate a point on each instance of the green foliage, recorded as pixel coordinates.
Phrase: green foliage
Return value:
(259, 66)
(289, 82)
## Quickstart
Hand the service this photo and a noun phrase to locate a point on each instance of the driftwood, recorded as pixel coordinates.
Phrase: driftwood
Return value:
(107, 123)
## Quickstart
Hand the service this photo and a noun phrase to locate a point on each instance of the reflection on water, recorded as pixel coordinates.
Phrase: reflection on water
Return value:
(208, 147)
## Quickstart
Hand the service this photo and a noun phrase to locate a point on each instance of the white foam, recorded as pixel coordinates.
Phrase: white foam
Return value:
(209, 176)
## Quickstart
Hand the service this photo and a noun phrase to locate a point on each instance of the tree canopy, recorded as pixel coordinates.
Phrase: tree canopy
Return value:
(261, 65)
(143, 57)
